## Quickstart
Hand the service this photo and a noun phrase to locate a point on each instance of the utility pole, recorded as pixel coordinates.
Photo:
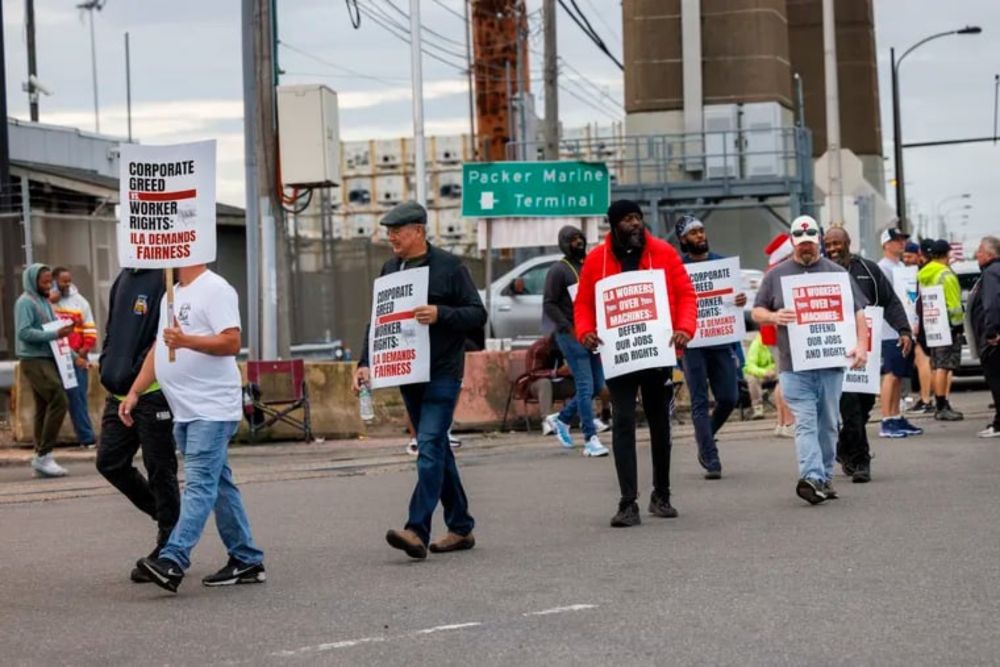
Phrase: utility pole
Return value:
(472, 89)
(10, 236)
(29, 28)
(416, 71)
(93, 6)
(128, 87)
(551, 74)
(835, 188)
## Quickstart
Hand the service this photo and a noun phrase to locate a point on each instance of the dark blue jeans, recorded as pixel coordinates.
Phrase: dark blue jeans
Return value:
(431, 407)
(713, 367)
(588, 375)
(78, 412)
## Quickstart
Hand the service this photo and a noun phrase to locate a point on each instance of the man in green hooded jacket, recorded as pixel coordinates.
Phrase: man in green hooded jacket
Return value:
(34, 353)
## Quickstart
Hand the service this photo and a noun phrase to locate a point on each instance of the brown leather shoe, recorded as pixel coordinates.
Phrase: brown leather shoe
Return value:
(453, 542)
(406, 540)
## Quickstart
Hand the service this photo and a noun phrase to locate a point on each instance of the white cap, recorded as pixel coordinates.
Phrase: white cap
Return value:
(804, 229)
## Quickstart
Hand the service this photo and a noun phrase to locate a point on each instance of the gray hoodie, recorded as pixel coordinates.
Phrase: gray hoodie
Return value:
(31, 311)
(557, 306)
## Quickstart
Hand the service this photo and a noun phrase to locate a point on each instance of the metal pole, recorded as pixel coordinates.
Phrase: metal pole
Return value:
(551, 81)
(489, 273)
(29, 250)
(835, 188)
(800, 101)
(897, 145)
(418, 103)
(93, 68)
(250, 175)
(522, 118)
(996, 99)
(472, 89)
(29, 28)
(9, 231)
(128, 87)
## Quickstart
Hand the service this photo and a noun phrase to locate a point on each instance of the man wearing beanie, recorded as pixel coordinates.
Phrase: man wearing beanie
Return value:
(630, 247)
(711, 366)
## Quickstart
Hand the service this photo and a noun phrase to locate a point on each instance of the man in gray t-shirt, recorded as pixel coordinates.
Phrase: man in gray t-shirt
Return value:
(814, 395)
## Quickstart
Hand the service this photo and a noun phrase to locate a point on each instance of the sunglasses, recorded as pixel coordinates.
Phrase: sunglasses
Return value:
(805, 232)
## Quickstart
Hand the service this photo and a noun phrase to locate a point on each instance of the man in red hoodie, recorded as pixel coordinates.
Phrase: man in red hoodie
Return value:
(630, 247)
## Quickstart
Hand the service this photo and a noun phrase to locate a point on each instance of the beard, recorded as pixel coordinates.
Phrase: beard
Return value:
(697, 248)
(631, 240)
(578, 253)
(807, 256)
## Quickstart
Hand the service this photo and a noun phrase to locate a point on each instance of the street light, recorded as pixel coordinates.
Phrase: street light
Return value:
(896, 123)
(92, 6)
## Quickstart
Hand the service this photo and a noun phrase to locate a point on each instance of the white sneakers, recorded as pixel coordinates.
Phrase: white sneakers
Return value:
(601, 426)
(989, 432)
(785, 431)
(594, 447)
(46, 466)
(411, 446)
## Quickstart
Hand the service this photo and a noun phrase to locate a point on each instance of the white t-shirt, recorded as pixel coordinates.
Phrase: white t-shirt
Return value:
(198, 386)
(887, 265)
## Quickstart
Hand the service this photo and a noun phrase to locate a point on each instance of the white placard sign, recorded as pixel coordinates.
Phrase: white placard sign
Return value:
(868, 379)
(904, 283)
(633, 321)
(937, 330)
(399, 348)
(572, 290)
(63, 354)
(720, 320)
(825, 329)
(167, 211)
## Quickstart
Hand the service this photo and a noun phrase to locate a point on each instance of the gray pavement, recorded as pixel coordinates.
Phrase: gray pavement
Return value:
(905, 570)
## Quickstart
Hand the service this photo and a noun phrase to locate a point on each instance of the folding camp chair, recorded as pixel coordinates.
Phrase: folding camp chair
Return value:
(277, 391)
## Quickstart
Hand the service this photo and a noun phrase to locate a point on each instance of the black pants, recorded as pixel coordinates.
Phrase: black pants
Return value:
(991, 371)
(158, 496)
(852, 445)
(656, 396)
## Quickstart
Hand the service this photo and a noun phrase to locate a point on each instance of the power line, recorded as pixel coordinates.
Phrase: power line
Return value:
(603, 21)
(589, 103)
(583, 77)
(347, 70)
(423, 27)
(448, 9)
(402, 33)
(581, 21)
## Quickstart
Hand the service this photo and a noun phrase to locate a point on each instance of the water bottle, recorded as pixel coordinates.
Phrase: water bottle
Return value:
(366, 403)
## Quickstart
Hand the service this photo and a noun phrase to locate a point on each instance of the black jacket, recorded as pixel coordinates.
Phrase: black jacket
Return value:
(133, 318)
(557, 306)
(879, 292)
(460, 311)
(984, 308)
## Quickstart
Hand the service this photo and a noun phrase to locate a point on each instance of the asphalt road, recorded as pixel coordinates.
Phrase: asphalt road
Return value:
(905, 570)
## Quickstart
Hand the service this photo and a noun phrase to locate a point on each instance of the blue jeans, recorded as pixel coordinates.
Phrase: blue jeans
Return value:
(814, 399)
(588, 375)
(431, 407)
(78, 412)
(713, 367)
(209, 485)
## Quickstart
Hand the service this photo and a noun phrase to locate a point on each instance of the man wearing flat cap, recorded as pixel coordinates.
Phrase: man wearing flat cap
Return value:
(453, 312)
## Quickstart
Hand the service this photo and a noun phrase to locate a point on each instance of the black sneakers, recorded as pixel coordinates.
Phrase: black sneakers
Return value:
(628, 515)
(948, 414)
(810, 491)
(829, 491)
(237, 572)
(862, 474)
(162, 572)
(661, 507)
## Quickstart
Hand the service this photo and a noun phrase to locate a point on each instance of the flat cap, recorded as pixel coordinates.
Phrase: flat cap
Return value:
(407, 213)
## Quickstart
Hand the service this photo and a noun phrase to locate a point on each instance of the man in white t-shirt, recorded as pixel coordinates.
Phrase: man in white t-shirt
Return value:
(202, 386)
(895, 364)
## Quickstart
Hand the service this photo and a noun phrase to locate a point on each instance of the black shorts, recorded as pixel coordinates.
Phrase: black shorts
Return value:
(947, 358)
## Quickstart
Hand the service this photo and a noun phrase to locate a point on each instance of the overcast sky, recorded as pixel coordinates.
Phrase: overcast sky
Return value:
(187, 78)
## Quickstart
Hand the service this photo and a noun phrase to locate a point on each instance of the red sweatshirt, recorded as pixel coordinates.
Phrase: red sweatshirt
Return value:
(656, 254)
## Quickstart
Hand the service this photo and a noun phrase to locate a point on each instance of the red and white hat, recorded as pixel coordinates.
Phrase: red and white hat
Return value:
(778, 249)
(804, 229)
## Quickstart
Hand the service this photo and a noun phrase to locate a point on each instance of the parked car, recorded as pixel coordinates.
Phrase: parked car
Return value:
(516, 299)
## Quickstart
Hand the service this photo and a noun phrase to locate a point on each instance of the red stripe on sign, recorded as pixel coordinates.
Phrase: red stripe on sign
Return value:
(718, 292)
(163, 196)
(395, 317)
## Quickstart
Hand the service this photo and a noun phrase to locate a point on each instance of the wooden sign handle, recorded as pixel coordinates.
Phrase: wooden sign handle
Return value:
(171, 354)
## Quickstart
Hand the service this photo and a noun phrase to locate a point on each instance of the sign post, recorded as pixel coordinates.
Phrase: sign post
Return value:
(535, 189)
(167, 209)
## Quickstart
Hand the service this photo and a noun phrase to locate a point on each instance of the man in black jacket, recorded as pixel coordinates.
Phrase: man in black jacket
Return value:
(853, 450)
(453, 312)
(133, 317)
(557, 320)
(984, 317)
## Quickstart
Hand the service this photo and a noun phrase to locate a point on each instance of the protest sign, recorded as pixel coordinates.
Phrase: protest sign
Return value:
(937, 330)
(868, 379)
(399, 348)
(633, 321)
(573, 289)
(63, 354)
(720, 320)
(824, 330)
(904, 283)
(167, 205)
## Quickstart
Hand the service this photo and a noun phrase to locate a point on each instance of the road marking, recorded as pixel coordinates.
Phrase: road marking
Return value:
(443, 628)
(561, 610)
(347, 643)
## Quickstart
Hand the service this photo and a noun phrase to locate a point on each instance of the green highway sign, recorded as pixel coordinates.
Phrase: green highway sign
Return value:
(535, 189)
